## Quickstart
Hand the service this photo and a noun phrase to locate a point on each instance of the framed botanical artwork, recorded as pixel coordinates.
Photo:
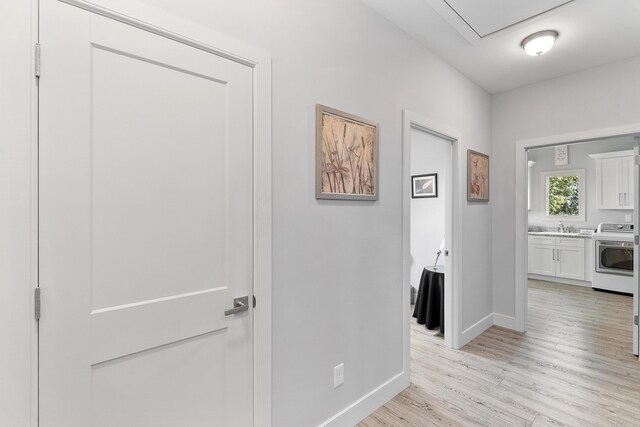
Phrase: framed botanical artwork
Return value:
(346, 156)
(477, 177)
(424, 186)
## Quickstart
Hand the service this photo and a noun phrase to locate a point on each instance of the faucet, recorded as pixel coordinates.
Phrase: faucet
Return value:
(561, 226)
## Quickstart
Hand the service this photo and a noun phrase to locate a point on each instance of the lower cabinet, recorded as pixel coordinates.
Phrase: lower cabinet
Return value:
(542, 258)
(557, 256)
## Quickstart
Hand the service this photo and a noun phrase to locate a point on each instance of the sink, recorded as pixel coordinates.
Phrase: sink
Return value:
(553, 233)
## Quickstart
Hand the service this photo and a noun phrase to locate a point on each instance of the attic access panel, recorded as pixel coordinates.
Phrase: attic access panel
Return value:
(486, 17)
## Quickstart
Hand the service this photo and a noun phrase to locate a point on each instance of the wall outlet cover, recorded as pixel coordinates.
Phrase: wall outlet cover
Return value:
(338, 375)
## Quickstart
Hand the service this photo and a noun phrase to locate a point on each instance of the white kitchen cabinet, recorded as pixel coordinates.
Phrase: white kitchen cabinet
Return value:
(570, 258)
(628, 166)
(614, 179)
(542, 255)
(557, 256)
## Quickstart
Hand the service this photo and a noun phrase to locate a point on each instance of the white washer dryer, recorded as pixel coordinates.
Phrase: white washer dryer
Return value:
(614, 252)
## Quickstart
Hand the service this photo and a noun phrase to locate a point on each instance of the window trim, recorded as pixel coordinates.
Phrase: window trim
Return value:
(580, 173)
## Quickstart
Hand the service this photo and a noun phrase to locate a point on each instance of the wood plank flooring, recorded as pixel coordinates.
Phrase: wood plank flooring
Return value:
(573, 367)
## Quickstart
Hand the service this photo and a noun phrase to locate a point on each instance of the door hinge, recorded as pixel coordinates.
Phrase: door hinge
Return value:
(36, 305)
(636, 239)
(635, 320)
(637, 159)
(254, 301)
(38, 62)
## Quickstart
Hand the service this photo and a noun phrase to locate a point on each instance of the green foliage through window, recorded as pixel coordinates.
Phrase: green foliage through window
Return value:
(564, 195)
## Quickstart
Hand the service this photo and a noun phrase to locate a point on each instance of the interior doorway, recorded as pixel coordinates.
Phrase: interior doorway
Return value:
(428, 228)
(556, 248)
(431, 192)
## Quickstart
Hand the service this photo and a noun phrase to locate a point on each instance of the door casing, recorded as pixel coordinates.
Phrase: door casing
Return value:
(453, 236)
(519, 321)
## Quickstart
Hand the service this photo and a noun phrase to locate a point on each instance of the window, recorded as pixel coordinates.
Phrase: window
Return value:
(564, 194)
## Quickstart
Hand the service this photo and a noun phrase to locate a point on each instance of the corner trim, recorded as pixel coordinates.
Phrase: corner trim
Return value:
(503, 321)
(475, 330)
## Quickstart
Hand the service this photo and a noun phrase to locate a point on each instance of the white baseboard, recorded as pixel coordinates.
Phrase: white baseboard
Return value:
(559, 280)
(508, 322)
(475, 330)
(376, 398)
(368, 403)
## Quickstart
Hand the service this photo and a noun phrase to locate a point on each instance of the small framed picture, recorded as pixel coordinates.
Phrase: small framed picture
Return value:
(424, 186)
(477, 177)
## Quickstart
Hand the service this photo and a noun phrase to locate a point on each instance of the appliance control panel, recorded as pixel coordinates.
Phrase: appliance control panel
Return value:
(616, 228)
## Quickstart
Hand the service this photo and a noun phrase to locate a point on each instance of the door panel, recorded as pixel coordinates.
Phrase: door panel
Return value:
(570, 262)
(541, 260)
(160, 387)
(146, 228)
(175, 186)
(610, 185)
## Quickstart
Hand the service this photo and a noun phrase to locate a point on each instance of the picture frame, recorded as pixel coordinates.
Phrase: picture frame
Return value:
(424, 186)
(346, 156)
(477, 176)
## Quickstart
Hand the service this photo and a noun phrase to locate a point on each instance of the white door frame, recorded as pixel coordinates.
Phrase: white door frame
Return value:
(636, 226)
(166, 25)
(521, 226)
(453, 236)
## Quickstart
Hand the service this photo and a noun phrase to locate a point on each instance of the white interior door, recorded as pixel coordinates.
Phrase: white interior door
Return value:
(146, 228)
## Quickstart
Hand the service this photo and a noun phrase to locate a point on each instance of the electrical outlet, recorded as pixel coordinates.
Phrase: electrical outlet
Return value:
(338, 375)
(627, 218)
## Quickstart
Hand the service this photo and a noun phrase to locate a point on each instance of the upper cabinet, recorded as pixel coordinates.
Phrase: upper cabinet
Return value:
(614, 179)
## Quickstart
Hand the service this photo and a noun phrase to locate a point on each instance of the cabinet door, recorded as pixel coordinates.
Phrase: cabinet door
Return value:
(541, 260)
(610, 184)
(627, 182)
(570, 262)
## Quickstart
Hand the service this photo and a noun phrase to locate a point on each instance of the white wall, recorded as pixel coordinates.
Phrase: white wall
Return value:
(337, 273)
(593, 99)
(337, 266)
(16, 317)
(428, 155)
(578, 159)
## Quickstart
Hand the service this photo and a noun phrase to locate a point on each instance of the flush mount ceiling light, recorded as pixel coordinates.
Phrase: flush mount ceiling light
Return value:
(539, 43)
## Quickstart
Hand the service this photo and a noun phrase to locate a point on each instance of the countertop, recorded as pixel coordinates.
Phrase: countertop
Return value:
(557, 234)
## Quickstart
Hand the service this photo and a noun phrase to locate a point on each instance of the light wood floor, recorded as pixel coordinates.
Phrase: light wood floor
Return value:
(573, 367)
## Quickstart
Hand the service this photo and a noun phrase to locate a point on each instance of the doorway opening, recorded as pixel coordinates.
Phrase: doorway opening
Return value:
(567, 208)
(431, 224)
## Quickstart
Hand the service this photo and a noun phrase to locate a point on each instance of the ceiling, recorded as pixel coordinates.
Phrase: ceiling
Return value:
(481, 38)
